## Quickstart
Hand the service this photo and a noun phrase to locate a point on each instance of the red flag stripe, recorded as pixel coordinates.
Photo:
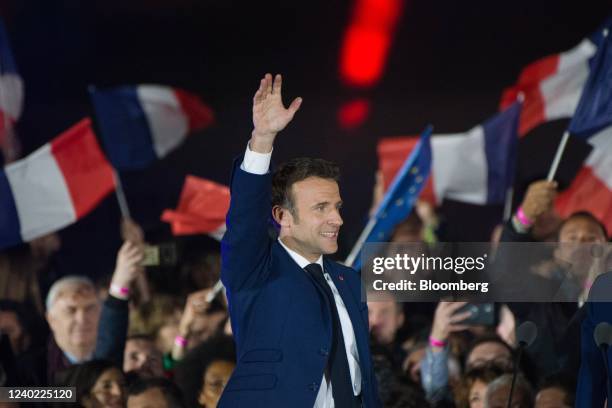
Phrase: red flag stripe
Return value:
(87, 173)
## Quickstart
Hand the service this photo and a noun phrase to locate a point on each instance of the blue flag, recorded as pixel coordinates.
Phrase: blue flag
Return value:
(400, 197)
(594, 111)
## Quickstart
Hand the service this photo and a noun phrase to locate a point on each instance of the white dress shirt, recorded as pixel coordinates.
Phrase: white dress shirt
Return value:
(259, 163)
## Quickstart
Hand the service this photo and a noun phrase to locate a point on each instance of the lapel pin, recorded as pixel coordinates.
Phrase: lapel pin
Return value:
(341, 277)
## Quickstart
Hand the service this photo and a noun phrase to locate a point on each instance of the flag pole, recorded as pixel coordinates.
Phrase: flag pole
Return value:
(350, 259)
(560, 149)
(553, 168)
(120, 194)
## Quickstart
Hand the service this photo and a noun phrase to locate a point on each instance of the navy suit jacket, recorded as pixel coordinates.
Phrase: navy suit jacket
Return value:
(281, 326)
(591, 391)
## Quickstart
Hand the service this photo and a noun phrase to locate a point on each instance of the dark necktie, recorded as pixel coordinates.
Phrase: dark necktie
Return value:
(337, 363)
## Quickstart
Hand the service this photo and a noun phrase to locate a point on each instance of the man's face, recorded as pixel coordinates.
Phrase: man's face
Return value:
(74, 318)
(551, 398)
(142, 357)
(151, 398)
(574, 239)
(314, 228)
(581, 230)
(489, 353)
(385, 319)
(9, 324)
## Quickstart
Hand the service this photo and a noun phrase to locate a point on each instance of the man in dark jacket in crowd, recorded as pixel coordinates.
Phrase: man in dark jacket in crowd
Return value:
(81, 327)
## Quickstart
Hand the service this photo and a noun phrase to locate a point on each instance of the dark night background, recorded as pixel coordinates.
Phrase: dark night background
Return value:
(448, 63)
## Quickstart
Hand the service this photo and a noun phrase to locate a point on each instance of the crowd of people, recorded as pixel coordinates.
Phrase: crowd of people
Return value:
(129, 341)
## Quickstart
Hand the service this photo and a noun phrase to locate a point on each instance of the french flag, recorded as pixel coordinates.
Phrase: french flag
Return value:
(11, 98)
(54, 186)
(476, 167)
(591, 190)
(550, 87)
(141, 124)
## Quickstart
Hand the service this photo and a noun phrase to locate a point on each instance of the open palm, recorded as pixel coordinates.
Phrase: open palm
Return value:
(269, 114)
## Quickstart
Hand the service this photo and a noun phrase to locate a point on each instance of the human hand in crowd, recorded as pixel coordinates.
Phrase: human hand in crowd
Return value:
(447, 321)
(539, 198)
(130, 231)
(269, 114)
(426, 212)
(197, 303)
(128, 266)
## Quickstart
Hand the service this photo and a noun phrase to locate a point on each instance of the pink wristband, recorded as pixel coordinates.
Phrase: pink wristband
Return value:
(523, 219)
(436, 343)
(120, 290)
(180, 341)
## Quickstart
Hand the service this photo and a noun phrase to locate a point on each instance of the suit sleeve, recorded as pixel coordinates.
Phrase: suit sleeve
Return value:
(245, 247)
(112, 330)
(592, 376)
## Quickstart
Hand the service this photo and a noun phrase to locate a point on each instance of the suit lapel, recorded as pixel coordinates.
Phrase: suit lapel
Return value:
(348, 297)
(287, 264)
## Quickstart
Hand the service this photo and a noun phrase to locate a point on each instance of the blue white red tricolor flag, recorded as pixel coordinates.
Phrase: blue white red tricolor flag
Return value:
(591, 189)
(143, 123)
(594, 110)
(475, 167)
(550, 87)
(54, 186)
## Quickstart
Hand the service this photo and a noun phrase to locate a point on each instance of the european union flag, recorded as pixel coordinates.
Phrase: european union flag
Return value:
(399, 198)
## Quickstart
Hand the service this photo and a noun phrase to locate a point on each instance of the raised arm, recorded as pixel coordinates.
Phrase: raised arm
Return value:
(539, 198)
(245, 245)
(114, 319)
(269, 114)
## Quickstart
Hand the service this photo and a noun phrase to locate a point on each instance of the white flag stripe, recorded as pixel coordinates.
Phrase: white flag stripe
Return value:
(168, 125)
(459, 166)
(562, 90)
(40, 193)
(600, 158)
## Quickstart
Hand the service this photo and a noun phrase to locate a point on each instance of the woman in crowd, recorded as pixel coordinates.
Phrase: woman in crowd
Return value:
(99, 384)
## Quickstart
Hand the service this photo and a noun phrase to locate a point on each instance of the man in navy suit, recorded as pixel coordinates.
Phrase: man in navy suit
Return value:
(300, 327)
(591, 391)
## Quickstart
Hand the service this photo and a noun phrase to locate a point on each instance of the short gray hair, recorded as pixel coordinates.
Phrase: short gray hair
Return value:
(506, 381)
(61, 284)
